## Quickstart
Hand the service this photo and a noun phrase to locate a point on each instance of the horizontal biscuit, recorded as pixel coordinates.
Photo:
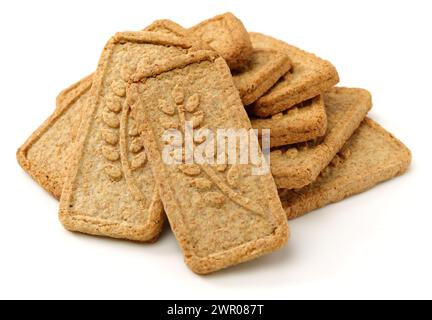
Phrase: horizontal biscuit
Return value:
(308, 77)
(370, 156)
(226, 35)
(109, 189)
(264, 69)
(298, 165)
(221, 215)
(306, 121)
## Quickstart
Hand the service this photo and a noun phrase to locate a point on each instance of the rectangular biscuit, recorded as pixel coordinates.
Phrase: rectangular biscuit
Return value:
(308, 77)
(370, 156)
(226, 35)
(109, 189)
(304, 122)
(296, 166)
(45, 154)
(256, 77)
(220, 215)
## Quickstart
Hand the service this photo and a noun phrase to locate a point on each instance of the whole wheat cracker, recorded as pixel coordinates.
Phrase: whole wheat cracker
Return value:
(296, 166)
(263, 70)
(45, 154)
(226, 35)
(372, 155)
(308, 77)
(304, 122)
(220, 215)
(109, 189)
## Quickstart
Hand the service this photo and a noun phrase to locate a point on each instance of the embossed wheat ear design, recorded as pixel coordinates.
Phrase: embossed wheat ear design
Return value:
(121, 139)
(216, 199)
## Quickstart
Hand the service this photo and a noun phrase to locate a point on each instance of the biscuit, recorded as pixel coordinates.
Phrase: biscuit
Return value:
(264, 69)
(308, 77)
(45, 154)
(306, 121)
(226, 35)
(109, 189)
(299, 165)
(220, 215)
(371, 155)
(168, 27)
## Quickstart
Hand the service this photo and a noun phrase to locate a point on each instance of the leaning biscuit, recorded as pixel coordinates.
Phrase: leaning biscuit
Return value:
(296, 166)
(226, 35)
(109, 189)
(256, 77)
(308, 77)
(370, 156)
(304, 122)
(46, 153)
(221, 215)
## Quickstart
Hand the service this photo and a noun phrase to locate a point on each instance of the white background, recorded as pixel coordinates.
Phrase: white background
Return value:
(375, 245)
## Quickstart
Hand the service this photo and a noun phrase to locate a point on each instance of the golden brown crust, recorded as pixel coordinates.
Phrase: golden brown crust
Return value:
(299, 165)
(371, 155)
(168, 27)
(45, 154)
(216, 225)
(309, 77)
(264, 69)
(226, 35)
(306, 121)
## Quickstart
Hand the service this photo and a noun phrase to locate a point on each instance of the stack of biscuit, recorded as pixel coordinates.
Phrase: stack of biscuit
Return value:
(100, 152)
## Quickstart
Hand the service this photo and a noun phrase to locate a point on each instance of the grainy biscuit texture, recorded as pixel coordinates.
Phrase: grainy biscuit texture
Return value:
(308, 77)
(46, 153)
(226, 35)
(296, 166)
(221, 215)
(304, 122)
(371, 155)
(110, 190)
(264, 69)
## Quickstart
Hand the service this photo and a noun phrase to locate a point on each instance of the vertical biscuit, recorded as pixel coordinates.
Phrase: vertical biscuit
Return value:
(370, 156)
(308, 77)
(221, 216)
(109, 189)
